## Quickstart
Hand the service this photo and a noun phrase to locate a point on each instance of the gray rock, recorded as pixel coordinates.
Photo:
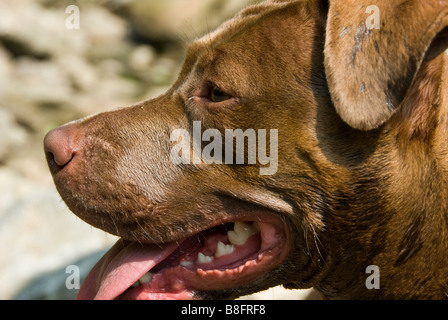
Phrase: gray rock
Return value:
(13, 137)
(177, 20)
(52, 285)
(38, 233)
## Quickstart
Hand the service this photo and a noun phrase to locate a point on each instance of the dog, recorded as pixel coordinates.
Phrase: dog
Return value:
(349, 97)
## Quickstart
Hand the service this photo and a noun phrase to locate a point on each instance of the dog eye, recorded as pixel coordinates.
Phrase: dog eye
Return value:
(217, 95)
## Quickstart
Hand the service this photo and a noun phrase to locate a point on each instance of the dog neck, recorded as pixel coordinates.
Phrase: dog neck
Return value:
(396, 207)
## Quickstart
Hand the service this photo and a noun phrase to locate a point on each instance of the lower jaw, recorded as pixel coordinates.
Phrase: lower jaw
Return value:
(188, 282)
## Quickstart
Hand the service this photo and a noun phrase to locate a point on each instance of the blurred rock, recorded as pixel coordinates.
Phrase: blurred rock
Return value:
(29, 29)
(176, 20)
(50, 75)
(141, 58)
(13, 137)
(41, 81)
(163, 71)
(38, 233)
(51, 285)
(104, 32)
(80, 72)
(5, 64)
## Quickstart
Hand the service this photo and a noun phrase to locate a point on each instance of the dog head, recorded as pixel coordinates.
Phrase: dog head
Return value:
(251, 171)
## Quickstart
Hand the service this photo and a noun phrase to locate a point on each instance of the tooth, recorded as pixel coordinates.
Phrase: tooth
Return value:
(203, 258)
(146, 278)
(186, 263)
(241, 232)
(224, 249)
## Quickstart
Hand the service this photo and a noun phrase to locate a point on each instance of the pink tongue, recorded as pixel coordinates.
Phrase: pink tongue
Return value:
(120, 268)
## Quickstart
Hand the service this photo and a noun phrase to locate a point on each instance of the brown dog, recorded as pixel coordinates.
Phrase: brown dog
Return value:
(351, 101)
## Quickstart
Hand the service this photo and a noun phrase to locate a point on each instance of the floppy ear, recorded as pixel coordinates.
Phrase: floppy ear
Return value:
(373, 51)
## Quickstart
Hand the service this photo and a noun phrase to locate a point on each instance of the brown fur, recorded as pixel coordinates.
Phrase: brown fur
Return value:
(351, 198)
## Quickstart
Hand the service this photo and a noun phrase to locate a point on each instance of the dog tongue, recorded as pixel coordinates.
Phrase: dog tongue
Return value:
(120, 268)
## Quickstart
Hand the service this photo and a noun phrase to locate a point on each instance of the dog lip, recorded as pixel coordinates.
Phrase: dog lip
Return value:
(174, 281)
(180, 282)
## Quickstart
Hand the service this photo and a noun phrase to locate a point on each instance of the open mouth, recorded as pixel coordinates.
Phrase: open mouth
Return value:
(226, 256)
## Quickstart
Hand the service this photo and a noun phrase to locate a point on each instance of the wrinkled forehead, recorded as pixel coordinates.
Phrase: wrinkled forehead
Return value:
(248, 21)
(272, 21)
(260, 43)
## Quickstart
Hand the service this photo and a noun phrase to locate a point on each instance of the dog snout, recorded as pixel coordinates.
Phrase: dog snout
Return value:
(58, 148)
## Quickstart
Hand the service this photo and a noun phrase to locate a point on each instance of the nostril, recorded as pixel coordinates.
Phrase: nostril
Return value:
(57, 147)
(50, 158)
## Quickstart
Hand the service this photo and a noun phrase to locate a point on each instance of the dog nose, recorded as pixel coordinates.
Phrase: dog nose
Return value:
(58, 148)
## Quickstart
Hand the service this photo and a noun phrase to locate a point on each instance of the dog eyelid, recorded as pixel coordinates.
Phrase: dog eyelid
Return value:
(212, 96)
(216, 95)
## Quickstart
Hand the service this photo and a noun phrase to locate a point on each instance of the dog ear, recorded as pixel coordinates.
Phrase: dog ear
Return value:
(373, 52)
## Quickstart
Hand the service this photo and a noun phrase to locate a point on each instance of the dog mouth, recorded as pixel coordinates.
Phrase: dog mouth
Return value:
(228, 255)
